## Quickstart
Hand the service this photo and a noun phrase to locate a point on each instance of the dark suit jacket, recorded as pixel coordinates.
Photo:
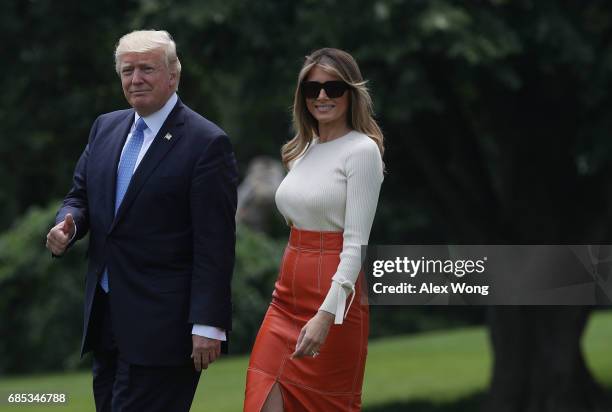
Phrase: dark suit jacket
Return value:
(170, 248)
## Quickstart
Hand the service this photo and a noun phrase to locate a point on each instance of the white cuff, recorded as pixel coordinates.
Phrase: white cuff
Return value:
(211, 332)
(342, 296)
(335, 301)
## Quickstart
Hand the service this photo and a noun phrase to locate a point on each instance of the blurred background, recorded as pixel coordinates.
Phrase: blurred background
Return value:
(497, 117)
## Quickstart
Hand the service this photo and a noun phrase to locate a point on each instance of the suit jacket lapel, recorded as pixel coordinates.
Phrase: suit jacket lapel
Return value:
(157, 151)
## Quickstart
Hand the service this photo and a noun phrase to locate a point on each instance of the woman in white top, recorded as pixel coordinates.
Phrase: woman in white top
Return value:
(310, 351)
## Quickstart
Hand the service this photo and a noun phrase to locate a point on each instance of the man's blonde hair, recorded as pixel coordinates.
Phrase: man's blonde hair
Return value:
(142, 41)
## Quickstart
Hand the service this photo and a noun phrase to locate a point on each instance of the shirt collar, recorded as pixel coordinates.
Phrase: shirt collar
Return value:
(156, 120)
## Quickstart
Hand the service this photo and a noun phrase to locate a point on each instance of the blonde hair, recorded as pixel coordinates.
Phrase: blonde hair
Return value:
(360, 113)
(142, 41)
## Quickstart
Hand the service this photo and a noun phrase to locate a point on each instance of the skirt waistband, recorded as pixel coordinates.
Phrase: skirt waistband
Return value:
(310, 239)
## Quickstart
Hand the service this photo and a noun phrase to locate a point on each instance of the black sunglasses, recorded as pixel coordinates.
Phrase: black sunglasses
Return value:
(333, 89)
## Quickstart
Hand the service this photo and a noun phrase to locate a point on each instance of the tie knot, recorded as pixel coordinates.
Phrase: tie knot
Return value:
(140, 125)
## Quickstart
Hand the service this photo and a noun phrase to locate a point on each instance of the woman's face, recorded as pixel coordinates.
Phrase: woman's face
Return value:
(327, 111)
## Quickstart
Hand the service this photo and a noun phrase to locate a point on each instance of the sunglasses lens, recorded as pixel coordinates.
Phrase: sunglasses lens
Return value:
(335, 89)
(311, 89)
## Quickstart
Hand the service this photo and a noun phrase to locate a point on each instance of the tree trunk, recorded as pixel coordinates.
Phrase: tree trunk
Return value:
(539, 366)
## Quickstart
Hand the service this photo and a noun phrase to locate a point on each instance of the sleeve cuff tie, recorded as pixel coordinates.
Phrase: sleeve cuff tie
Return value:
(342, 309)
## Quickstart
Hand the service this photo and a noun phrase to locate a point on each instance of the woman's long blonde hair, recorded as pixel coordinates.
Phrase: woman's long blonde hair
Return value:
(360, 112)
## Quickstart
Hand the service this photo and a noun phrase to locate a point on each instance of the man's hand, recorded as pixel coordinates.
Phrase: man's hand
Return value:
(60, 235)
(313, 335)
(205, 351)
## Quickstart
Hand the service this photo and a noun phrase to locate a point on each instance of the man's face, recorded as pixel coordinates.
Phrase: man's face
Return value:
(147, 82)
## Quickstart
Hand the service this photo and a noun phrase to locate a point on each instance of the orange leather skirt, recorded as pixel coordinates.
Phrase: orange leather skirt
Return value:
(331, 381)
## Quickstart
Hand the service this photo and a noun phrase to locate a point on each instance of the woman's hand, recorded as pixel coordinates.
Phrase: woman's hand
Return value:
(313, 334)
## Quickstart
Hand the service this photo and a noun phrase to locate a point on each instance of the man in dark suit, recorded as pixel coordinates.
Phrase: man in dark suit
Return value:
(156, 189)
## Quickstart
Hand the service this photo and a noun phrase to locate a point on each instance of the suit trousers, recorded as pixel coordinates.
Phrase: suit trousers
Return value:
(120, 386)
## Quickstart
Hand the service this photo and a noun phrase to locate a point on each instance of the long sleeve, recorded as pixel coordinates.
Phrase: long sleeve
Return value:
(364, 175)
(75, 201)
(213, 206)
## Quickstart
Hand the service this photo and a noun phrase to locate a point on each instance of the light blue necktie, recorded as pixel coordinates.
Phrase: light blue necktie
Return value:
(124, 174)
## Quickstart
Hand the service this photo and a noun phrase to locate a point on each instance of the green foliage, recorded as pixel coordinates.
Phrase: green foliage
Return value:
(482, 103)
(55, 83)
(40, 297)
(257, 262)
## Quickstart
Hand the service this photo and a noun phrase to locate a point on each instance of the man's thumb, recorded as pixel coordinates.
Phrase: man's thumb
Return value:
(68, 224)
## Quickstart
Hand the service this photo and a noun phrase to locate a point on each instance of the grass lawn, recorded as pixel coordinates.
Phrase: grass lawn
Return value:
(431, 368)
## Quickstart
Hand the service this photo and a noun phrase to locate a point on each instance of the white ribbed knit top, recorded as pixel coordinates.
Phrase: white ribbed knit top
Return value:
(334, 186)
